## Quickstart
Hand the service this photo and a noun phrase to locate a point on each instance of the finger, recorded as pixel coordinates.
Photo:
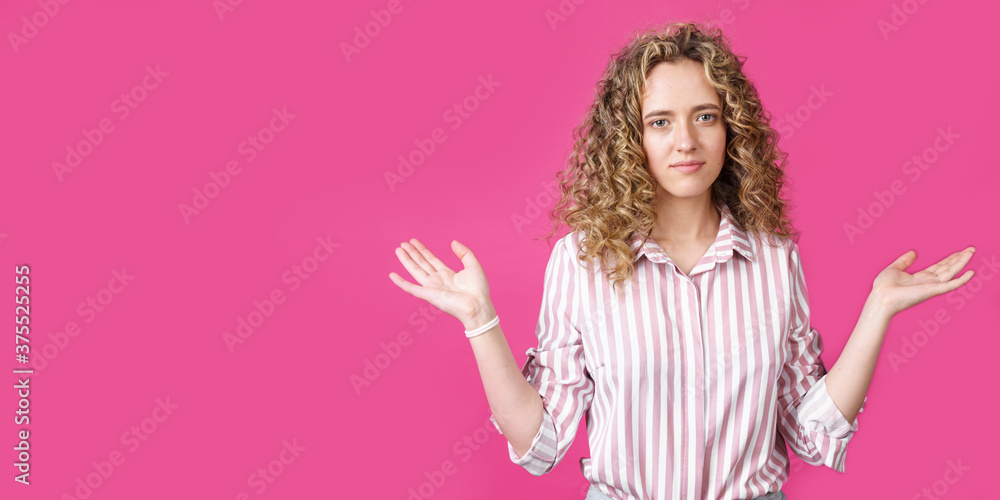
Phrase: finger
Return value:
(936, 271)
(904, 261)
(410, 288)
(959, 258)
(953, 264)
(955, 283)
(415, 270)
(933, 289)
(465, 254)
(434, 261)
(941, 266)
(418, 257)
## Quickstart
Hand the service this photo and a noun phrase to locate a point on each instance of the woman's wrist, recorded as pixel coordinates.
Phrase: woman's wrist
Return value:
(481, 315)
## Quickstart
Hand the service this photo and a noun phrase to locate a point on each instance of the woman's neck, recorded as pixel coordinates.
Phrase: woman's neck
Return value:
(686, 221)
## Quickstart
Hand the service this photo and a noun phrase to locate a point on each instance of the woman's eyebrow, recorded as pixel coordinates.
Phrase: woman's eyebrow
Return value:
(667, 112)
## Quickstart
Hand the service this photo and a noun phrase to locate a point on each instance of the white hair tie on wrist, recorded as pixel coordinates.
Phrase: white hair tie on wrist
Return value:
(483, 329)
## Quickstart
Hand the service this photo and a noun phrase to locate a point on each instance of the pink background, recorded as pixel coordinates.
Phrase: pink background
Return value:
(323, 175)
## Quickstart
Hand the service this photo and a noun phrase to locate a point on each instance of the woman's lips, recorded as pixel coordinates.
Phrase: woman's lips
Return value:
(687, 169)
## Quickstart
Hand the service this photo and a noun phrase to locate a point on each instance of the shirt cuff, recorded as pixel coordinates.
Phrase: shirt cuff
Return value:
(542, 453)
(827, 430)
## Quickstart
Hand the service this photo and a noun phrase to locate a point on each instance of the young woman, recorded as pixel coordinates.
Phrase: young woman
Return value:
(675, 314)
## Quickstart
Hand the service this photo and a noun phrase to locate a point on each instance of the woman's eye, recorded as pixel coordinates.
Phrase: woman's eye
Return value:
(663, 120)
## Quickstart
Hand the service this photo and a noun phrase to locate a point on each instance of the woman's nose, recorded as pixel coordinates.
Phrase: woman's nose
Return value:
(684, 137)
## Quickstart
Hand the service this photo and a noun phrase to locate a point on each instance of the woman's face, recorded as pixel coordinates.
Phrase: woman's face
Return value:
(682, 120)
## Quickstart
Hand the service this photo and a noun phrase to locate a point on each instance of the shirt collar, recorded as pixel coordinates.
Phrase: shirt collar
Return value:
(730, 238)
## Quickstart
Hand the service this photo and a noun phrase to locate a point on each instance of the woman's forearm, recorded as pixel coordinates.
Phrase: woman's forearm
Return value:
(849, 378)
(515, 403)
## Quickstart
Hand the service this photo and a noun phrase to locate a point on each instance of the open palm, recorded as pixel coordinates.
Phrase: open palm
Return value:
(458, 294)
(900, 290)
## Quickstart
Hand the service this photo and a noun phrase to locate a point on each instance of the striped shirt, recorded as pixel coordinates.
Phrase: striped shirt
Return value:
(691, 384)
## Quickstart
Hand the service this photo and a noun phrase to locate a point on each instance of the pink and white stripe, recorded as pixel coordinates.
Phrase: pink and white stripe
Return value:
(691, 384)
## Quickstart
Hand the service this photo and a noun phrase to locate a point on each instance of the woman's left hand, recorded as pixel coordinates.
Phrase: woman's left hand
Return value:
(898, 290)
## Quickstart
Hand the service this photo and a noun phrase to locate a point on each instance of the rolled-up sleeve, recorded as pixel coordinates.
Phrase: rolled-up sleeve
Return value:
(810, 421)
(556, 368)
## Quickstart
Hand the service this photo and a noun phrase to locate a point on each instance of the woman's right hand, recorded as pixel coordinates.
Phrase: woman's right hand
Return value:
(464, 295)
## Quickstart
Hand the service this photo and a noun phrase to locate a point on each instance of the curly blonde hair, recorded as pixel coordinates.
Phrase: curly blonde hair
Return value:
(608, 193)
